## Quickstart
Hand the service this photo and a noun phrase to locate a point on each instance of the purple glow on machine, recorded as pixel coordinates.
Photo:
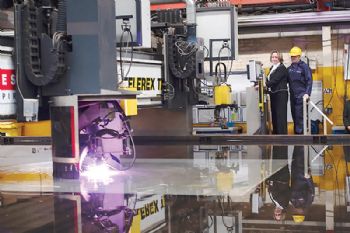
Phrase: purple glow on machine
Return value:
(104, 137)
(100, 173)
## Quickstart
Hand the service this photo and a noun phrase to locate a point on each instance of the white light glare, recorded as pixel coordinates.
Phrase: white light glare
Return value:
(100, 172)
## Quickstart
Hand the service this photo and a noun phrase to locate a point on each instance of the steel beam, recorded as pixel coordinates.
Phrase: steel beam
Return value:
(270, 2)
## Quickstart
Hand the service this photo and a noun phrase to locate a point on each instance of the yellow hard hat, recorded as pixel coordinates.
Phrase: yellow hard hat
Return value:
(298, 218)
(295, 51)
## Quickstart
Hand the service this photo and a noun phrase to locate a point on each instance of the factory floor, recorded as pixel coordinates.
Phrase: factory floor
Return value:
(182, 189)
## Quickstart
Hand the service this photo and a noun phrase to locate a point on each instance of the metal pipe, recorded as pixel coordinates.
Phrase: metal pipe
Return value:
(313, 105)
(319, 153)
(19, 57)
(293, 19)
(309, 118)
(252, 9)
(262, 2)
(304, 117)
(166, 1)
(261, 35)
(306, 162)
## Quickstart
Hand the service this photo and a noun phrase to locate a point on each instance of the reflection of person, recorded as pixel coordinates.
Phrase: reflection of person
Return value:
(277, 84)
(293, 186)
(300, 85)
(278, 184)
(346, 150)
(302, 186)
(346, 116)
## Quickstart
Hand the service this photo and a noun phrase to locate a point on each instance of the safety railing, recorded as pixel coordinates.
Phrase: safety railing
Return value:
(307, 103)
(307, 162)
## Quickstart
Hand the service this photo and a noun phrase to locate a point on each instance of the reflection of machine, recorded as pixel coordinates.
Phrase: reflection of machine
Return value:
(188, 215)
(204, 214)
(97, 208)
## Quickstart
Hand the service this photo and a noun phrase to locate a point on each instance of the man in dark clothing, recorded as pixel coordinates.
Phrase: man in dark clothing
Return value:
(300, 85)
(292, 186)
(346, 122)
(346, 116)
(302, 185)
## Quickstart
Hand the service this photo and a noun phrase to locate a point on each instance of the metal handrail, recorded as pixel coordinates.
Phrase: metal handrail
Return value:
(307, 162)
(307, 119)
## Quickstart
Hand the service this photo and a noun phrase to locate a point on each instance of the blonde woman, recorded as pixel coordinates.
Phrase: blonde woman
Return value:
(277, 86)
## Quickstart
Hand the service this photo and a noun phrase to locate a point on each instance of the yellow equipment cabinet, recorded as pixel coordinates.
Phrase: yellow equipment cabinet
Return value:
(222, 94)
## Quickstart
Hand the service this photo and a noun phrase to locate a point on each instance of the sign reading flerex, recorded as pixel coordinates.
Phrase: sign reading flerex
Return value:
(144, 83)
(145, 76)
(150, 212)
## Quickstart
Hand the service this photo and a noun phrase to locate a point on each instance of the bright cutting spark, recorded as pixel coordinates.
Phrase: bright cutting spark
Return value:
(99, 173)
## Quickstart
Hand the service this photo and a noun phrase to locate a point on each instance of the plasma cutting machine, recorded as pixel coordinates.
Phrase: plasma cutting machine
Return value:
(66, 72)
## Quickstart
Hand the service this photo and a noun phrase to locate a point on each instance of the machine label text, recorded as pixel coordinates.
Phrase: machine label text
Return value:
(327, 90)
(144, 84)
(7, 79)
(151, 208)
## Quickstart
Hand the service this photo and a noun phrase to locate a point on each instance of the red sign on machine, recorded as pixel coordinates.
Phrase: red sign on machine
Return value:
(7, 80)
(7, 87)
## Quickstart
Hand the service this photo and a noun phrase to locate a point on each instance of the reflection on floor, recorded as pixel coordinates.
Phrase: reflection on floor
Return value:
(201, 189)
